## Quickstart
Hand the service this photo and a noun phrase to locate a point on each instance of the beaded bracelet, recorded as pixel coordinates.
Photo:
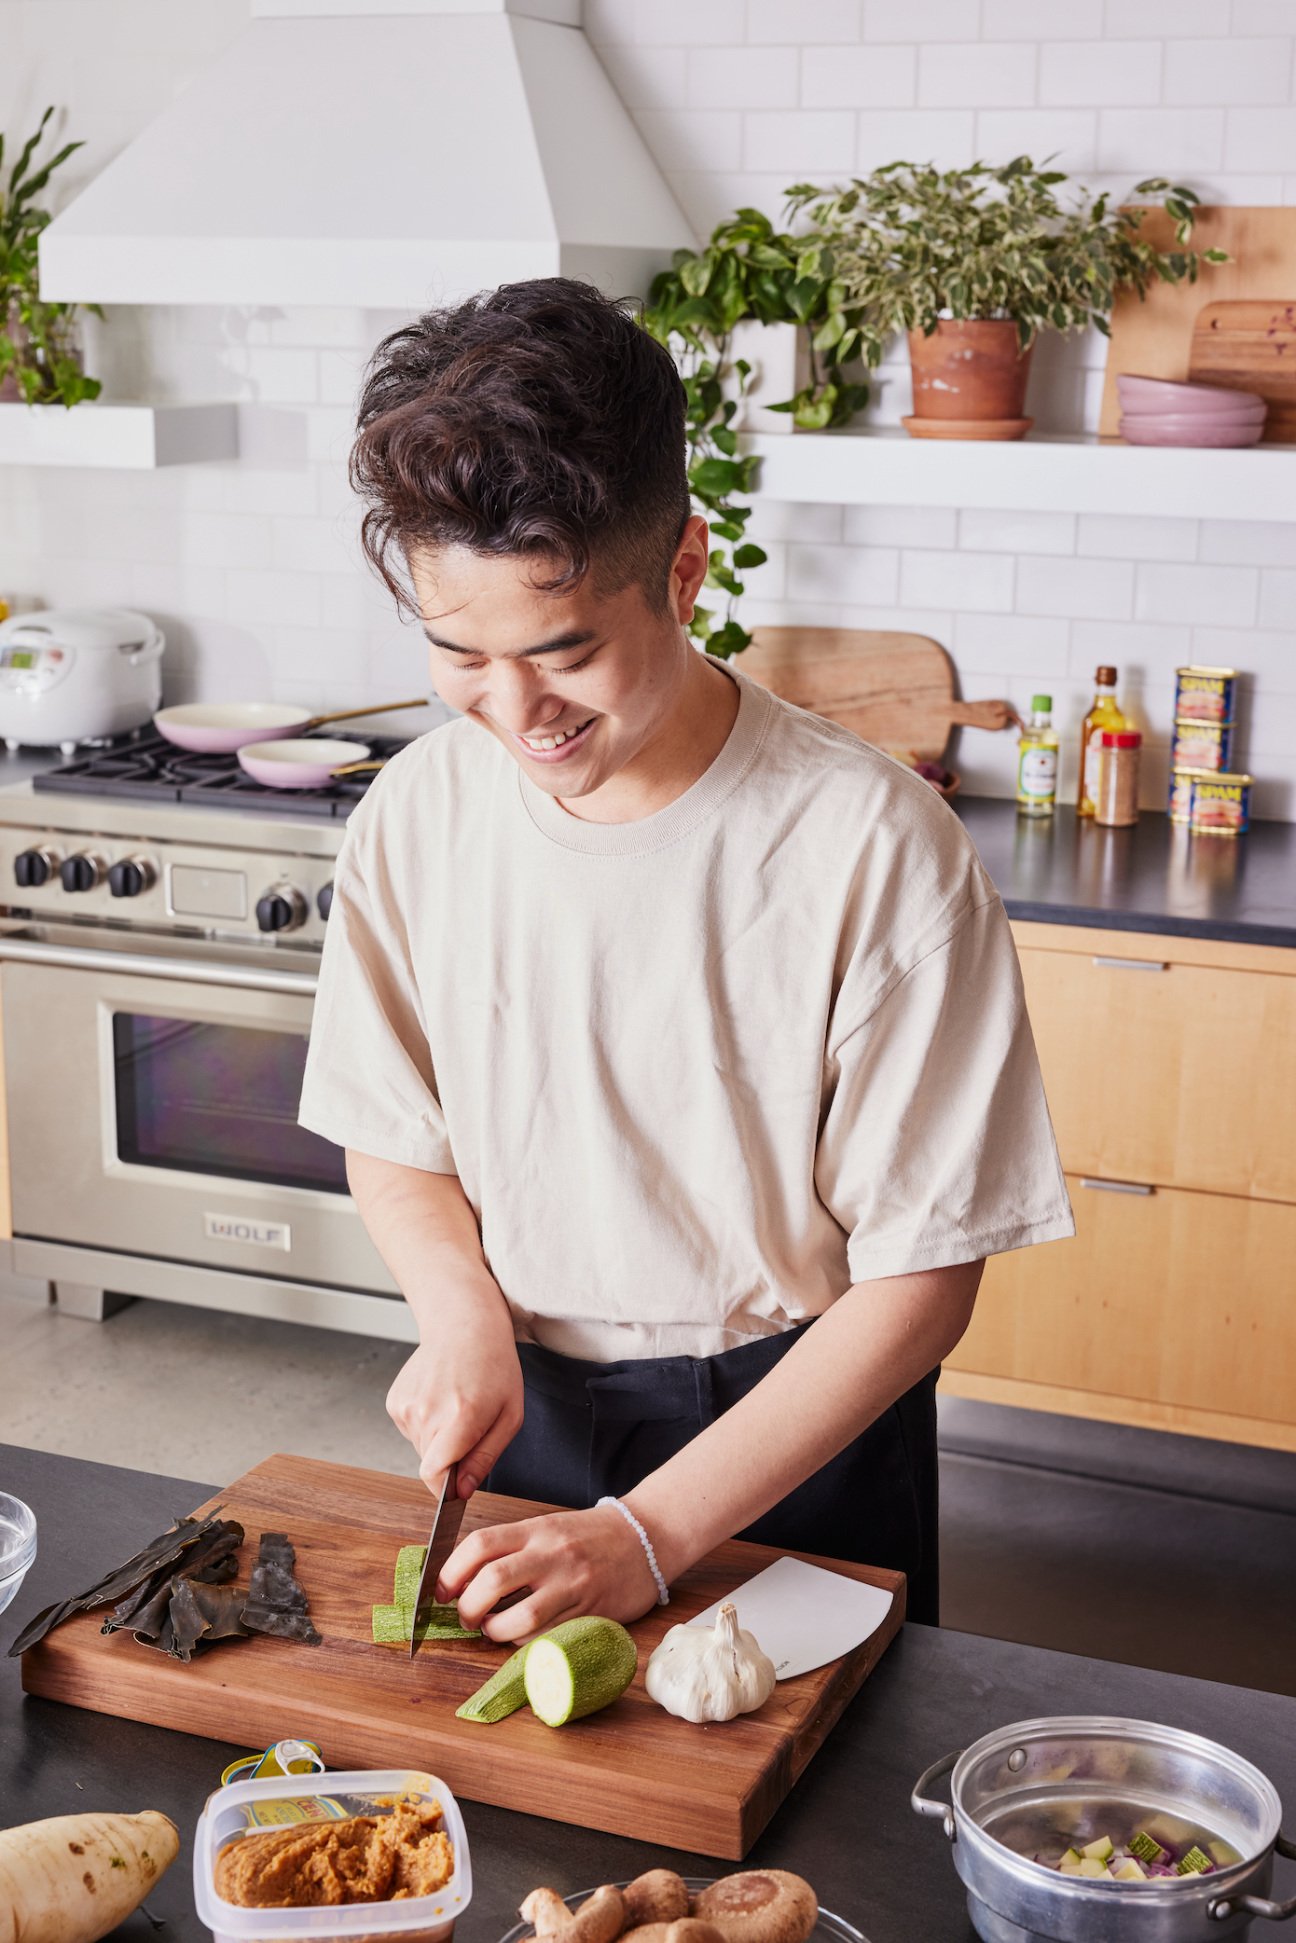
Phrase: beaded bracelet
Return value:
(663, 1596)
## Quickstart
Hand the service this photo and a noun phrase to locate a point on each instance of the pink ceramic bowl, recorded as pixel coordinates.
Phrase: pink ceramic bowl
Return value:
(1144, 395)
(1176, 428)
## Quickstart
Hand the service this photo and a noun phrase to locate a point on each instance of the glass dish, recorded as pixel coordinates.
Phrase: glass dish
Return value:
(829, 1928)
(17, 1545)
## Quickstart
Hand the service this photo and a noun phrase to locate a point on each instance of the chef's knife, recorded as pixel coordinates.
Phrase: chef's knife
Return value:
(442, 1540)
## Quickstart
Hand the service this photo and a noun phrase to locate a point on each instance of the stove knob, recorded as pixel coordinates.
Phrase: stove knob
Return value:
(81, 873)
(324, 902)
(281, 910)
(32, 868)
(131, 876)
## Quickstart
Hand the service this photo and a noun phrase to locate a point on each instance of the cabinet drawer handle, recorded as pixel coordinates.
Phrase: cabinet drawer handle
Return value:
(1117, 1187)
(1130, 964)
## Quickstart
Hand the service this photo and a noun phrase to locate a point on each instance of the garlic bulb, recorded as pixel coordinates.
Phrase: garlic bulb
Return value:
(704, 1675)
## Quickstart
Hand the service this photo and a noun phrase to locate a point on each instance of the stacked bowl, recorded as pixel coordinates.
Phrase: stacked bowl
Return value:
(1157, 411)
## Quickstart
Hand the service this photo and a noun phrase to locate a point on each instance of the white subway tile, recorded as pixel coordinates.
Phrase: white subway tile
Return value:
(803, 22)
(1253, 543)
(329, 432)
(314, 546)
(1127, 536)
(279, 376)
(1091, 589)
(1261, 17)
(821, 140)
(1009, 645)
(225, 540)
(1277, 600)
(267, 599)
(936, 624)
(1266, 656)
(962, 581)
(1260, 138)
(690, 23)
(767, 582)
(341, 374)
(935, 526)
(942, 136)
(710, 196)
(248, 489)
(1135, 648)
(1161, 19)
(833, 574)
(1214, 596)
(1173, 141)
(1215, 74)
(776, 519)
(692, 139)
(1087, 74)
(921, 20)
(858, 77)
(791, 613)
(994, 531)
(976, 75)
(742, 77)
(1041, 19)
(648, 77)
(1071, 136)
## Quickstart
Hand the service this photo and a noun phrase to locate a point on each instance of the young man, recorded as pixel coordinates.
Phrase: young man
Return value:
(675, 1036)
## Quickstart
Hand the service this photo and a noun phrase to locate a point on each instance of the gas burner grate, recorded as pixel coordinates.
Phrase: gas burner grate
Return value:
(148, 768)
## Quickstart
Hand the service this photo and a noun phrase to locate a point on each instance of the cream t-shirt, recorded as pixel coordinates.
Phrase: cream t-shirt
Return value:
(697, 1073)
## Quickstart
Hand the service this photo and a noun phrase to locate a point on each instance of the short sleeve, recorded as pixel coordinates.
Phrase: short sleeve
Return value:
(370, 1083)
(936, 1146)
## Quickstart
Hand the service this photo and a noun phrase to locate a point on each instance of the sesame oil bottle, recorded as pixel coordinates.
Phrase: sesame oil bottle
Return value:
(1104, 715)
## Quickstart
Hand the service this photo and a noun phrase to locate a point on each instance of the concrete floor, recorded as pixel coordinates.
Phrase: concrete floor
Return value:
(1127, 1545)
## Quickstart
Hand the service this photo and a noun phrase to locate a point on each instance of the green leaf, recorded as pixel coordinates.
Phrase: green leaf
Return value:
(749, 556)
(717, 476)
(725, 440)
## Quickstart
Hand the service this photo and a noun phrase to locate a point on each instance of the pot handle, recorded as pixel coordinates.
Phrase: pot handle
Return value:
(922, 1805)
(1257, 1905)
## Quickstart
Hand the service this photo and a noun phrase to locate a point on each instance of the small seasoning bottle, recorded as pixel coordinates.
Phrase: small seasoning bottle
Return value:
(1037, 760)
(1118, 778)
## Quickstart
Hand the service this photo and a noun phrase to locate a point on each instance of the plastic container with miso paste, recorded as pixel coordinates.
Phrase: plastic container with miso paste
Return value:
(246, 1807)
(1118, 778)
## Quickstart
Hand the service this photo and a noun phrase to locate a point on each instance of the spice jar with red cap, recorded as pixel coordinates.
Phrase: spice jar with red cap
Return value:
(1118, 778)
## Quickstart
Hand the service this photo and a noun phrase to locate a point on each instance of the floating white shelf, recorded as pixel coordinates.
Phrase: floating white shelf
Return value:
(138, 437)
(1065, 475)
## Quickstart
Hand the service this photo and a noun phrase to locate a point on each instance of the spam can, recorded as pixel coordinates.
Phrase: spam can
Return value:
(1221, 805)
(1181, 786)
(1202, 745)
(1205, 694)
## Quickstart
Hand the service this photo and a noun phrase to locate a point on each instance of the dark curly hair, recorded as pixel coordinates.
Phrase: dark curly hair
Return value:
(536, 419)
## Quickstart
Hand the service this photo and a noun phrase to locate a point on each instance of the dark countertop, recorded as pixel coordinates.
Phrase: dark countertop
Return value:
(1155, 876)
(846, 1827)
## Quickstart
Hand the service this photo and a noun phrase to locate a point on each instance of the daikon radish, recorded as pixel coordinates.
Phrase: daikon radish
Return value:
(75, 1877)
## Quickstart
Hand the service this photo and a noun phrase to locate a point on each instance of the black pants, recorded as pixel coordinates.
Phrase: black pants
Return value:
(596, 1430)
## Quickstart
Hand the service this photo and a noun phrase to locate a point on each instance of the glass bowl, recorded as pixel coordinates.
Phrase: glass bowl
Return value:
(17, 1545)
(829, 1928)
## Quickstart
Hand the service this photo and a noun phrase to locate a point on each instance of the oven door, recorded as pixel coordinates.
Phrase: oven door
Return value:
(156, 1114)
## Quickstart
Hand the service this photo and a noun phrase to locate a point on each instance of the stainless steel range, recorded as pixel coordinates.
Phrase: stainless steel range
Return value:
(159, 951)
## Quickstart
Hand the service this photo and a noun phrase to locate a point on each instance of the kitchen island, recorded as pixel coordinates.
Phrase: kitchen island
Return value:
(846, 1827)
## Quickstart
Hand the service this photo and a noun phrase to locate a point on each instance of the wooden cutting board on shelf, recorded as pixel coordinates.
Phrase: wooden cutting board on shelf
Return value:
(894, 690)
(630, 1770)
(1158, 337)
(1251, 347)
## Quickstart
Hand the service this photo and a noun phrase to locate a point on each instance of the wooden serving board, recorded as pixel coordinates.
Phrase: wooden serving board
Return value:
(1251, 347)
(893, 690)
(631, 1770)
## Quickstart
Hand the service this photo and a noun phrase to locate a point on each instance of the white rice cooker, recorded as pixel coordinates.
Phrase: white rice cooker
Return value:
(77, 674)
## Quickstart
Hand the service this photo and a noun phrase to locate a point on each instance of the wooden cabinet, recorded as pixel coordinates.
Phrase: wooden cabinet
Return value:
(1170, 1065)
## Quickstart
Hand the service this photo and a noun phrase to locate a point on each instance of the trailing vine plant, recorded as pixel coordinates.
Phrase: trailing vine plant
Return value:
(37, 339)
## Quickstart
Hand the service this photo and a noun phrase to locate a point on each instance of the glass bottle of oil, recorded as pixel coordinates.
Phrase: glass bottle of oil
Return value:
(1037, 760)
(1103, 715)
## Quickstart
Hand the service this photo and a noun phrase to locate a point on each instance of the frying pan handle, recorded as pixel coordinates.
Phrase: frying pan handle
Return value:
(922, 1805)
(1259, 1905)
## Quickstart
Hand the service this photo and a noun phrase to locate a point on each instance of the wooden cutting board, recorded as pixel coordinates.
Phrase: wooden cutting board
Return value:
(894, 690)
(631, 1770)
(1156, 338)
(1251, 347)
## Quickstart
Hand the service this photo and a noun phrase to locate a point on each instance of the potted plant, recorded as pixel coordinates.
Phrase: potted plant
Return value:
(40, 360)
(971, 264)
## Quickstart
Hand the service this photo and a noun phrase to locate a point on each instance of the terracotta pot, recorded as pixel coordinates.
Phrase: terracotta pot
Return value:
(969, 372)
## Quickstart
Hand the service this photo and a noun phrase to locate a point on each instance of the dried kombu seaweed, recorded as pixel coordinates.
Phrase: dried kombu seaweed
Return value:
(201, 1614)
(162, 1555)
(276, 1603)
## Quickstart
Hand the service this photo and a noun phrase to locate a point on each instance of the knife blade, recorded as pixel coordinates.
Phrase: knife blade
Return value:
(442, 1539)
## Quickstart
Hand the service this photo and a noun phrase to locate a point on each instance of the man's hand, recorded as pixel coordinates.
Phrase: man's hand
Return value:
(574, 1562)
(459, 1397)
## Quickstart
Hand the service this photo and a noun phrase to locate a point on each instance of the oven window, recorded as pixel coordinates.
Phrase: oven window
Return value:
(217, 1099)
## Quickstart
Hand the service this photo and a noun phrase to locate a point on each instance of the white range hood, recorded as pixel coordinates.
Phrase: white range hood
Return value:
(385, 154)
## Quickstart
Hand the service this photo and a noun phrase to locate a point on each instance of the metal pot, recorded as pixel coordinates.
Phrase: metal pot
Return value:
(1022, 1773)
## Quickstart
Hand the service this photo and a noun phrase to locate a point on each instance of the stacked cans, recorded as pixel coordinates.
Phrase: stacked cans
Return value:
(1205, 790)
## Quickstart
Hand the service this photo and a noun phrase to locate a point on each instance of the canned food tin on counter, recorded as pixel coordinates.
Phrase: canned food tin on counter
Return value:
(281, 1757)
(1202, 745)
(1221, 805)
(1205, 694)
(1181, 782)
(246, 1807)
